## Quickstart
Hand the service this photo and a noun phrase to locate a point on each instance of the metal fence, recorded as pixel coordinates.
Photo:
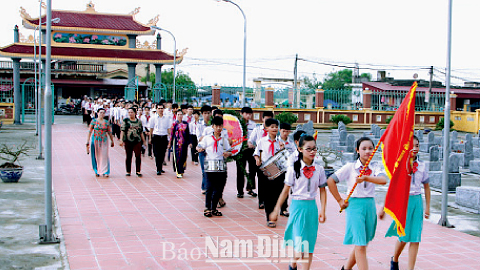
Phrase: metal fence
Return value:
(342, 99)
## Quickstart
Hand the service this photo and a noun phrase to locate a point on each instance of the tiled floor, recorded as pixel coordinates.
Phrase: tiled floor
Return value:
(156, 222)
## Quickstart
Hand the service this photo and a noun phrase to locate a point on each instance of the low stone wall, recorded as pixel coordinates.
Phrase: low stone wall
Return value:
(468, 198)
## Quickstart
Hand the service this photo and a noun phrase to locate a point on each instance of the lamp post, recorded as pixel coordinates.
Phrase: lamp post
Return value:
(244, 48)
(174, 56)
(38, 82)
(446, 128)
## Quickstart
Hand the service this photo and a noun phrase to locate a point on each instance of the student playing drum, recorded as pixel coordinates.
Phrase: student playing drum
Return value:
(267, 147)
(216, 148)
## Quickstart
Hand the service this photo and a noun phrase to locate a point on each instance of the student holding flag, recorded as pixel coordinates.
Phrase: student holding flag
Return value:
(361, 219)
(414, 221)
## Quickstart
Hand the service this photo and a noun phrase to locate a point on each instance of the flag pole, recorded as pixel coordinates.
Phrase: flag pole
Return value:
(362, 172)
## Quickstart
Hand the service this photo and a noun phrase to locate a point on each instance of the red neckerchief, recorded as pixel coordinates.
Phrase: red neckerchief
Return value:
(175, 117)
(148, 117)
(264, 133)
(415, 167)
(367, 171)
(215, 146)
(308, 171)
(271, 148)
(189, 118)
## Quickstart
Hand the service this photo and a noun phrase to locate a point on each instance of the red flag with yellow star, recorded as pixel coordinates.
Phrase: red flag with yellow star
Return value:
(397, 144)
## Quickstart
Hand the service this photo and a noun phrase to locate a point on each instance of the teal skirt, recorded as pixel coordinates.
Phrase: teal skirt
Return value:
(414, 222)
(302, 226)
(361, 221)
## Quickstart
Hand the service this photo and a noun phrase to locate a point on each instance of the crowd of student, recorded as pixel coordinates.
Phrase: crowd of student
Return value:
(158, 129)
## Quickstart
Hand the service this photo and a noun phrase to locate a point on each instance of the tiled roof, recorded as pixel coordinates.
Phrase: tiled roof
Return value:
(100, 54)
(384, 86)
(92, 21)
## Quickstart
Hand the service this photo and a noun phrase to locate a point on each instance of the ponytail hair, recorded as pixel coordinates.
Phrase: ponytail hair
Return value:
(298, 164)
(357, 146)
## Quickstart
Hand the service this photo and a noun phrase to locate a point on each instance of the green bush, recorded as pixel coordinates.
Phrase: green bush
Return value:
(287, 117)
(441, 124)
(389, 119)
(341, 117)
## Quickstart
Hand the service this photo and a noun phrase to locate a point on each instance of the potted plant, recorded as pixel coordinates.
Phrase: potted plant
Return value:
(328, 155)
(10, 172)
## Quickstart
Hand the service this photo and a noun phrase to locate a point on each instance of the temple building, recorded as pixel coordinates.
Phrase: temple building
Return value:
(92, 53)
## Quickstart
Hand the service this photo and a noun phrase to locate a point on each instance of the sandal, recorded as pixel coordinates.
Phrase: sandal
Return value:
(285, 213)
(271, 224)
(127, 174)
(217, 213)
(251, 193)
(207, 213)
(221, 203)
(139, 174)
(97, 175)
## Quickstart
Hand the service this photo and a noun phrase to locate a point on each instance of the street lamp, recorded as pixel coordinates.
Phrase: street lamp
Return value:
(174, 56)
(244, 48)
(38, 82)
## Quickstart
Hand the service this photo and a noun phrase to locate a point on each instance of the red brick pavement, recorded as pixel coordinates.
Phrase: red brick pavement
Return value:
(131, 223)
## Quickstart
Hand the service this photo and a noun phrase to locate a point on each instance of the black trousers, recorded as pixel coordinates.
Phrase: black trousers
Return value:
(215, 184)
(271, 190)
(149, 145)
(88, 117)
(247, 156)
(160, 143)
(193, 150)
(131, 148)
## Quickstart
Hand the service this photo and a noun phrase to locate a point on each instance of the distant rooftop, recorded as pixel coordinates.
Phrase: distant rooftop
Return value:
(92, 21)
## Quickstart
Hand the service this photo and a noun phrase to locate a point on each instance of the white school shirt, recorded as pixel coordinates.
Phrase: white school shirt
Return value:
(208, 144)
(116, 113)
(263, 145)
(145, 121)
(123, 114)
(251, 125)
(257, 133)
(419, 178)
(202, 126)
(303, 188)
(209, 131)
(349, 173)
(194, 127)
(289, 144)
(160, 125)
(188, 118)
(87, 106)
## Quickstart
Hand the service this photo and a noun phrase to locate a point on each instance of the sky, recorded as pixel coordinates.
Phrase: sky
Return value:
(402, 37)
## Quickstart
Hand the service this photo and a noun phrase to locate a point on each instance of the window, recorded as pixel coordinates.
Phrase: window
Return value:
(256, 116)
(379, 118)
(355, 118)
(306, 117)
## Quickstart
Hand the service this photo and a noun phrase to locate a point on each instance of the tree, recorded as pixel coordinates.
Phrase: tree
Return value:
(312, 83)
(338, 79)
(167, 78)
(366, 75)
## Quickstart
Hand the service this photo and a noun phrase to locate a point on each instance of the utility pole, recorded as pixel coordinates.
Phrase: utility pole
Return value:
(427, 95)
(294, 94)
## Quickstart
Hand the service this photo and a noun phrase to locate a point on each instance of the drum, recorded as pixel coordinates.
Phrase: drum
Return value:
(215, 165)
(275, 165)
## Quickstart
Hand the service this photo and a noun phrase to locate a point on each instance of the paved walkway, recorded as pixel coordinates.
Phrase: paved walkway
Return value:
(131, 223)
